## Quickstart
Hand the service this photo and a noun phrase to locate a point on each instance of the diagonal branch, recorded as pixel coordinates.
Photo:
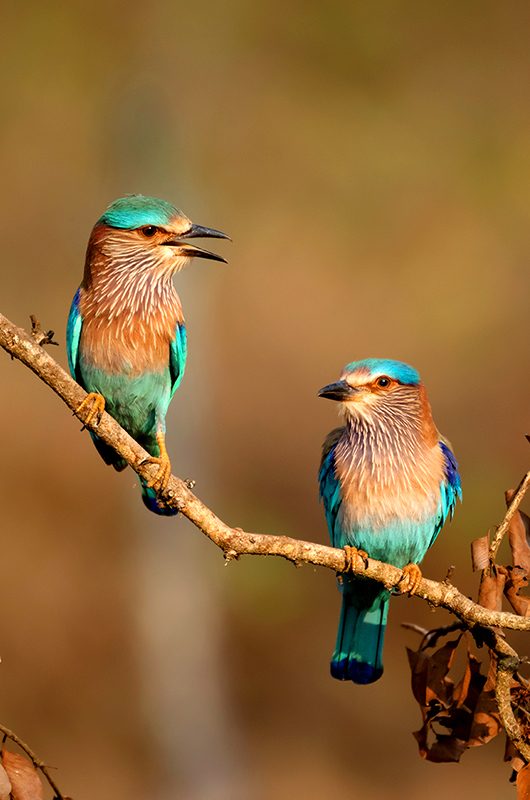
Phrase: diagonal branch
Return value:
(235, 542)
(512, 509)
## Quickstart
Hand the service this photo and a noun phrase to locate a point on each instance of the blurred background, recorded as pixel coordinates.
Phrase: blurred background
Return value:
(372, 164)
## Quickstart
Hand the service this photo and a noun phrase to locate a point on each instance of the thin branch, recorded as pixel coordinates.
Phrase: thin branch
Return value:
(37, 762)
(506, 668)
(505, 524)
(235, 542)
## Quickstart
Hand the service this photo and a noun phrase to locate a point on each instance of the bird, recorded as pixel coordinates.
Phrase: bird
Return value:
(126, 337)
(388, 481)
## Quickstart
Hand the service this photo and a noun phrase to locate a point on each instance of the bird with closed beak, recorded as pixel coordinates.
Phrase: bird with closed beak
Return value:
(388, 481)
(126, 336)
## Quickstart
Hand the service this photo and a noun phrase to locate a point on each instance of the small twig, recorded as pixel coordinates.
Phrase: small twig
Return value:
(37, 762)
(505, 524)
(40, 336)
(430, 637)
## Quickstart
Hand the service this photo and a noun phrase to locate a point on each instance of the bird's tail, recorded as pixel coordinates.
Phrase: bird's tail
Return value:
(359, 648)
(153, 504)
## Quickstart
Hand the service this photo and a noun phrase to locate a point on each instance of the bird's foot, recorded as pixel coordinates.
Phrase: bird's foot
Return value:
(160, 481)
(410, 580)
(354, 558)
(95, 403)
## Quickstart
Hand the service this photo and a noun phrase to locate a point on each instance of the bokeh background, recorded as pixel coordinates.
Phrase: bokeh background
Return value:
(372, 164)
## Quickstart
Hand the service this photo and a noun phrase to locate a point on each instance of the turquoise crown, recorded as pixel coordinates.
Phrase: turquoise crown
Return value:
(137, 210)
(397, 370)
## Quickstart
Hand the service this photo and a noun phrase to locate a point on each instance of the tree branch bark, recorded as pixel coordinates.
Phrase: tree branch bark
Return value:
(235, 542)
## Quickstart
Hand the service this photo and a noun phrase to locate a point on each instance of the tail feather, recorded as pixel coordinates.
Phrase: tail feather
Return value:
(108, 453)
(151, 502)
(358, 654)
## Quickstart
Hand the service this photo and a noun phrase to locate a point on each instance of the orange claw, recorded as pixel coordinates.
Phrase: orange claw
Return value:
(409, 583)
(161, 479)
(354, 558)
(96, 406)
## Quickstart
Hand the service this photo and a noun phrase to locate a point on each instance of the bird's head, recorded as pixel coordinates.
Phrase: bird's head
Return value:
(150, 234)
(375, 388)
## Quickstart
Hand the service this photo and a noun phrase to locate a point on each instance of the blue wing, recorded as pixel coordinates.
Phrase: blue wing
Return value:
(177, 357)
(73, 334)
(330, 487)
(450, 490)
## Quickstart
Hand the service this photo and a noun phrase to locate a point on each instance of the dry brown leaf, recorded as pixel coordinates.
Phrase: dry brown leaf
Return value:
(429, 674)
(480, 552)
(443, 750)
(512, 755)
(25, 781)
(5, 784)
(519, 536)
(523, 783)
(517, 580)
(491, 588)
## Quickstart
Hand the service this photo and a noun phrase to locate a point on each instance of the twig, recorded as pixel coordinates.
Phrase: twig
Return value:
(235, 542)
(37, 762)
(39, 335)
(512, 508)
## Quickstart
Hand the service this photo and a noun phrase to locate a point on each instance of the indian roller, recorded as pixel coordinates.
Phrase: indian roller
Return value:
(126, 336)
(388, 481)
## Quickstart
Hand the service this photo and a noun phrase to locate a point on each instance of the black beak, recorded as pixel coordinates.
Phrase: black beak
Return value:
(341, 390)
(198, 231)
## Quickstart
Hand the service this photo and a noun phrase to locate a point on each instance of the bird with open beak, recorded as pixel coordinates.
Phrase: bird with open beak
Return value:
(126, 336)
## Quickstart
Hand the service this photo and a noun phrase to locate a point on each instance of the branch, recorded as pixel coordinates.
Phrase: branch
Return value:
(508, 662)
(512, 508)
(37, 762)
(235, 542)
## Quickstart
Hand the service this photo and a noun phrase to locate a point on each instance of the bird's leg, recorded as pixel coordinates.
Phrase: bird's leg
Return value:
(354, 558)
(160, 480)
(96, 406)
(410, 580)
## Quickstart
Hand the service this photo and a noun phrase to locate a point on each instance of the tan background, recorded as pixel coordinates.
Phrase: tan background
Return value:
(372, 164)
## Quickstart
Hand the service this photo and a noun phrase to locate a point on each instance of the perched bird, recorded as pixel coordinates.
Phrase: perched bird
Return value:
(126, 337)
(388, 481)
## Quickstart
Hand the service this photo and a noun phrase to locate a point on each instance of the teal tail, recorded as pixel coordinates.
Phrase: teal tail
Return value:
(358, 655)
(153, 504)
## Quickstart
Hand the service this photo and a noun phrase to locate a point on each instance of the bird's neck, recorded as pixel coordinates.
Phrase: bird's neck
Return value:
(390, 455)
(133, 291)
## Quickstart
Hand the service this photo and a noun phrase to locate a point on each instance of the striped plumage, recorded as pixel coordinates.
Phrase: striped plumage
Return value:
(388, 481)
(126, 336)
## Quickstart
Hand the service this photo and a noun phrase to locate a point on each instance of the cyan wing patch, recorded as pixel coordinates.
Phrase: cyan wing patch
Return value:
(330, 487)
(73, 334)
(177, 357)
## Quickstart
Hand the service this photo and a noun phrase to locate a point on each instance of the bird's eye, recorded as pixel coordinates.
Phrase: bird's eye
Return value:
(149, 231)
(383, 381)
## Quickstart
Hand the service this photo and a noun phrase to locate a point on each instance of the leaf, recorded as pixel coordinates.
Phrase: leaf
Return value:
(519, 536)
(523, 783)
(455, 717)
(5, 784)
(491, 588)
(517, 580)
(429, 674)
(443, 750)
(25, 781)
(480, 552)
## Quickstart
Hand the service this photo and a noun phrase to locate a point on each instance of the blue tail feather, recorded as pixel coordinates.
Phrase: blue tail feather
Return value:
(151, 502)
(359, 648)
